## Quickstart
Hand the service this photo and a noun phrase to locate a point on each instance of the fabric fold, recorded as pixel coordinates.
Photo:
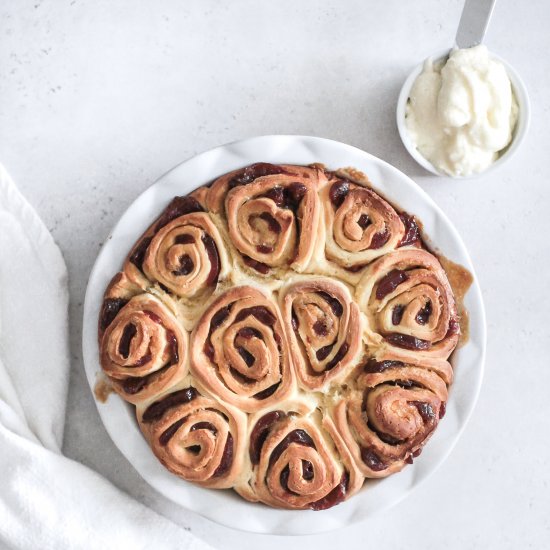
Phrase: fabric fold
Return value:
(47, 500)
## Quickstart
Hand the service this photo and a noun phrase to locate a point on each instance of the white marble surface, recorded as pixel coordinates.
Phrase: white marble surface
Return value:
(100, 97)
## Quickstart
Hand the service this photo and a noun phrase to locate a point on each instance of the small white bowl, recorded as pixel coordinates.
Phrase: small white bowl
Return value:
(518, 134)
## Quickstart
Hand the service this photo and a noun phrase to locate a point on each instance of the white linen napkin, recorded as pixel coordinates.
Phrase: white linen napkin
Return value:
(47, 500)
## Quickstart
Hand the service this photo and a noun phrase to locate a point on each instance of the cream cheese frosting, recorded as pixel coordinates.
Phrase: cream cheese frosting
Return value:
(461, 114)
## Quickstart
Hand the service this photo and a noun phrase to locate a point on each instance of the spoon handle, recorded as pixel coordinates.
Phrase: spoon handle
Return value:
(474, 22)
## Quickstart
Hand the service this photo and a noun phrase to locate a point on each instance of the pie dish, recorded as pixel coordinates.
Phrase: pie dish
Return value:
(262, 358)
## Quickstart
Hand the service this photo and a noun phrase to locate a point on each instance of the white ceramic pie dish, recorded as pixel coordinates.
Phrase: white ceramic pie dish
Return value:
(226, 507)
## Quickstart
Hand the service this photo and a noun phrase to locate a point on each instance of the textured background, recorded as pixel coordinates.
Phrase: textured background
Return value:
(98, 98)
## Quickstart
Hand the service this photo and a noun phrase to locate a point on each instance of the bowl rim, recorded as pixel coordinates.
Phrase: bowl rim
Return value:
(224, 507)
(518, 134)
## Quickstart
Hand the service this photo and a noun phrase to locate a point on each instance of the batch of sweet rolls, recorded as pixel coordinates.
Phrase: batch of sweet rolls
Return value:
(284, 332)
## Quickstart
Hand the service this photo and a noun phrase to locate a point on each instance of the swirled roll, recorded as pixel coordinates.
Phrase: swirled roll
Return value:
(386, 422)
(186, 255)
(118, 293)
(195, 436)
(272, 212)
(409, 305)
(295, 462)
(239, 350)
(321, 330)
(142, 347)
(182, 251)
(360, 225)
(324, 329)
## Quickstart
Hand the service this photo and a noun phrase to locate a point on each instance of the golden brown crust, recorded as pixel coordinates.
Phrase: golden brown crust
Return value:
(360, 227)
(187, 256)
(324, 328)
(387, 420)
(143, 350)
(320, 332)
(297, 463)
(200, 194)
(239, 350)
(218, 191)
(410, 306)
(188, 269)
(195, 437)
(118, 293)
(273, 219)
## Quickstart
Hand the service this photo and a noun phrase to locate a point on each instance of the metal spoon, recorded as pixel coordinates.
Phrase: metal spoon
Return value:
(474, 21)
(473, 24)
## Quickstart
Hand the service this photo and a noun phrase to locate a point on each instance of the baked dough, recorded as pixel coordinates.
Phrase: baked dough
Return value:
(283, 332)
